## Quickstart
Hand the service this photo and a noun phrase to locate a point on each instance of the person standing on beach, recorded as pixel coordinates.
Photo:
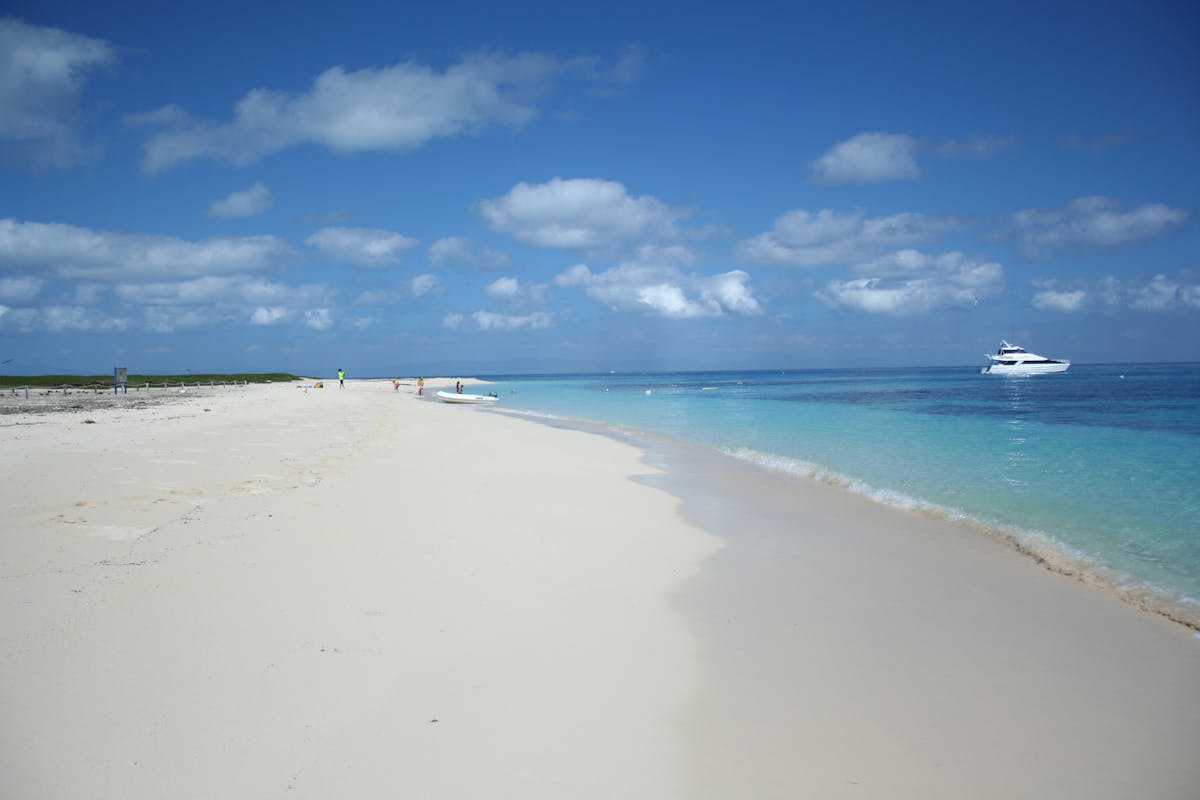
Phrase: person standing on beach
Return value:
(420, 386)
(341, 378)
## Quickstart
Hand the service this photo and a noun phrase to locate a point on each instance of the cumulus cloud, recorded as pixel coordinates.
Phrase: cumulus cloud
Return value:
(453, 250)
(1052, 300)
(868, 158)
(490, 321)
(452, 322)
(234, 290)
(170, 305)
(60, 319)
(423, 284)
(909, 282)
(517, 295)
(878, 295)
(1091, 222)
(268, 316)
(66, 251)
(395, 108)
(246, 203)
(505, 288)
(664, 291)
(1159, 294)
(42, 75)
(361, 247)
(319, 319)
(878, 157)
(580, 214)
(802, 238)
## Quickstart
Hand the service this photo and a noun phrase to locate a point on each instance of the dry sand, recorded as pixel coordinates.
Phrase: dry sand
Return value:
(273, 591)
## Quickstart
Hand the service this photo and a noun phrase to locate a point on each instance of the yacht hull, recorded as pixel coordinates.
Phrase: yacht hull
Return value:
(1043, 368)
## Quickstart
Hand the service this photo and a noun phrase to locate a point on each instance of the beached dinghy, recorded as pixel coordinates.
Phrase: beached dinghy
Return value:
(470, 399)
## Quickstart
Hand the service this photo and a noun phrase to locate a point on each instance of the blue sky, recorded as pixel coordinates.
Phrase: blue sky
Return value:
(484, 188)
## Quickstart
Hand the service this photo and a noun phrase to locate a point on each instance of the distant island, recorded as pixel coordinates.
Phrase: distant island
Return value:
(8, 381)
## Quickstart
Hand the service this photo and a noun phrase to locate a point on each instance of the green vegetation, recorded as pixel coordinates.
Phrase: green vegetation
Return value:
(7, 381)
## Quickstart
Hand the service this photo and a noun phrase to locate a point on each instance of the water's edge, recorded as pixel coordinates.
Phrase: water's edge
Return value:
(1040, 547)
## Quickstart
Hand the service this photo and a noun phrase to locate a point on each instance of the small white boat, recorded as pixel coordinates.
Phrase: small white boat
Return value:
(1013, 360)
(467, 399)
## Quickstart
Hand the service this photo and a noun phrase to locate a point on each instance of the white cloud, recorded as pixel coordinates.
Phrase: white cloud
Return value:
(868, 158)
(1091, 222)
(664, 291)
(59, 319)
(452, 322)
(19, 290)
(1159, 294)
(268, 315)
(318, 319)
(422, 285)
(730, 291)
(909, 282)
(805, 239)
(490, 321)
(453, 250)
(517, 295)
(236, 291)
(42, 73)
(396, 108)
(579, 214)
(75, 318)
(878, 295)
(878, 157)
(381, 297)
(1050, 300)
(67, 251)
(246, 203)
(363, 247)
(505, 288)
(577, 276)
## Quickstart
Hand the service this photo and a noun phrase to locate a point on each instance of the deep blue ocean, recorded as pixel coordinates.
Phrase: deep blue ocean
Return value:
(1096, 470)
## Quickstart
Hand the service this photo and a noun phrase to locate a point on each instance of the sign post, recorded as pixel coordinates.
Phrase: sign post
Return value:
(121, 378)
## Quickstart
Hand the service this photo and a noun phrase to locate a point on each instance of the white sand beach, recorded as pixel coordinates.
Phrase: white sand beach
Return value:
(276, 590)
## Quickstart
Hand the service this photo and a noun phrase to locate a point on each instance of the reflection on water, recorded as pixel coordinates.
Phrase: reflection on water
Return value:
(1016, 458)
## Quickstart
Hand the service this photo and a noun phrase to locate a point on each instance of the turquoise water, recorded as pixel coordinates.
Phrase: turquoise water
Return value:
(1095, 470)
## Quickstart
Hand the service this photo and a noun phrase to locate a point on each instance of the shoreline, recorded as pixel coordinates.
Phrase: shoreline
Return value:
(1039, 547)
(340, 591)
(1001, 649)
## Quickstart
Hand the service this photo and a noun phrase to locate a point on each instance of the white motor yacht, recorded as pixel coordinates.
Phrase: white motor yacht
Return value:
(1013, 360)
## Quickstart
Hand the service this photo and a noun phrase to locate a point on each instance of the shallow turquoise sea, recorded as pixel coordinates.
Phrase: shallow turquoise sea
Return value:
(1096, 470)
